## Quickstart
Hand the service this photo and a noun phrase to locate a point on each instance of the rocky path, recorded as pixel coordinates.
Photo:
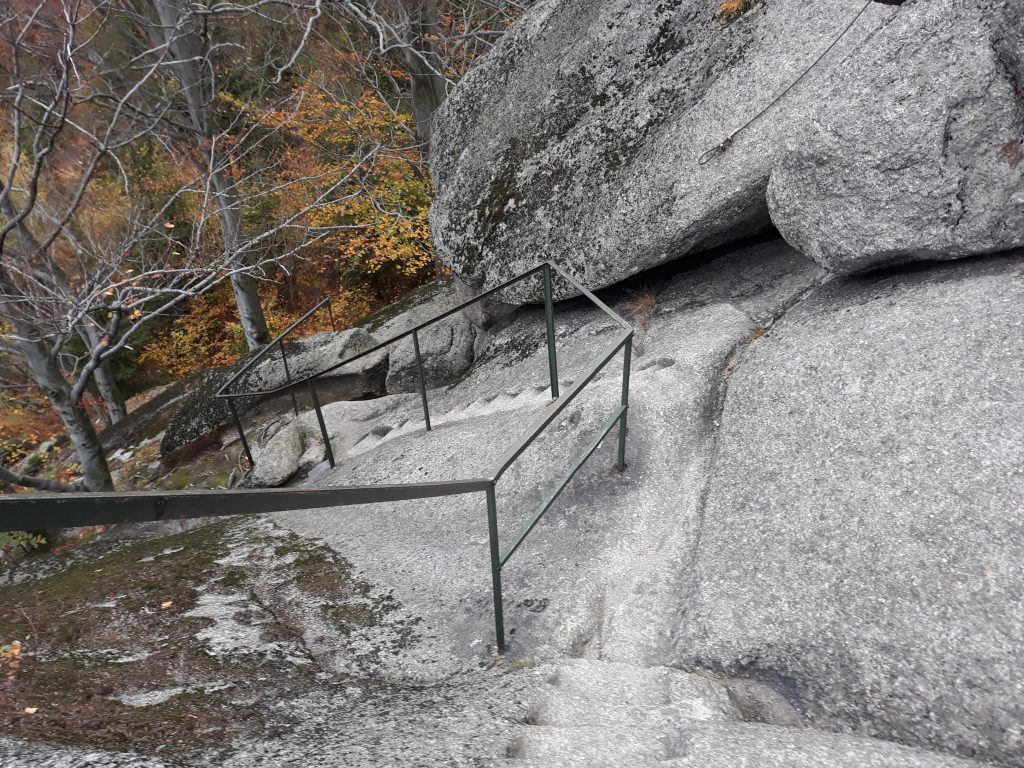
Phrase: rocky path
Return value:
(598, 600)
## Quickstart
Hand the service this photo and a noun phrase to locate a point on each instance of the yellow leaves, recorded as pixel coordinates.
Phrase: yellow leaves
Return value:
(730, 10)
(166, 604)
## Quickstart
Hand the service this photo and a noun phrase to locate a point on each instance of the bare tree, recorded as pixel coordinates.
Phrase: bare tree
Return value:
(73, 99)
(432, 41)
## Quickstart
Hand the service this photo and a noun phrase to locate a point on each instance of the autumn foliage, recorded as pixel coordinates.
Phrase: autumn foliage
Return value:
(730, 10)
(265, 157)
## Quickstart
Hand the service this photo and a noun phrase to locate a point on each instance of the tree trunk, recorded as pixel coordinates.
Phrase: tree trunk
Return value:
(49, 378)
(250, 310)
(424, 68)
(106, 383)
(113, 399)
(181, 31)
(47, 375)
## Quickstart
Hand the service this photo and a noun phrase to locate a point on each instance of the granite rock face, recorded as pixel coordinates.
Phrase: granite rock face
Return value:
(862, 540)
(201, 413)
(279, 459)
(920, 153)
(578, 138)
(853, 567)
(446, 350)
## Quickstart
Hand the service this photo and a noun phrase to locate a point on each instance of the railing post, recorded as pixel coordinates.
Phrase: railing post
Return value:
(423, 380)
(330, 314)
(288, 378)
(627, 355)
(241, 432)
(549, 315)
(323, 427)
(492, 532)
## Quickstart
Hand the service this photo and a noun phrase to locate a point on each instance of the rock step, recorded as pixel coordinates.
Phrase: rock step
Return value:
(620, 683)
(573, 711)
(503, 401)
(603, 746)
(597, 713)
(497, 402)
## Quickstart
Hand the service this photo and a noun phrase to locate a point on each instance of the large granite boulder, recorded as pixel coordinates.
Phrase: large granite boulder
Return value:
(578, 138)
(446, 352)
(918, 153)
(201, 414)
(862, 543)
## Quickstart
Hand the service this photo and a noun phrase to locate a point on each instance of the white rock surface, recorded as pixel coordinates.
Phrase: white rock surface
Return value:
(578, 138)
(596, 672)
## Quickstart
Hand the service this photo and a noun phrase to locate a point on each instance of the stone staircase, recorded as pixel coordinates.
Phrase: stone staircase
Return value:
(502, 402)
(601, 714)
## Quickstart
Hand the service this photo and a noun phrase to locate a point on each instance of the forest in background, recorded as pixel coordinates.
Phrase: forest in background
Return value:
(179, 181)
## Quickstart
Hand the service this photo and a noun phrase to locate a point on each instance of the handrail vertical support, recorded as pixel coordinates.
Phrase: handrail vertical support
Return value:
(549, 316)
(627, 356)
(323, 427)
(492, 531)
(241, 432)
(288, 378)
(330, 314)
(423, 380)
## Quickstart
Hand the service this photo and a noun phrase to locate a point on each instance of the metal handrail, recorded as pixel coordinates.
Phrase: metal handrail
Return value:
(277, 342)
(54, 510)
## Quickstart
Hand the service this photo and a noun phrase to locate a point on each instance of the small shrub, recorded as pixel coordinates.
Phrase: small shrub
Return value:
(16, 543)
(640, 306)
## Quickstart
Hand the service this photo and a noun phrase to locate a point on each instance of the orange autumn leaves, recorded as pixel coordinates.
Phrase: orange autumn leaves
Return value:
(373, 241)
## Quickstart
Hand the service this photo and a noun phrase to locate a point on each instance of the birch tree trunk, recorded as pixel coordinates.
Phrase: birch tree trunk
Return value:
(424, 67)
(106, 383)
(182, 32)
(47, 375)
(49, 378)
(250, 310)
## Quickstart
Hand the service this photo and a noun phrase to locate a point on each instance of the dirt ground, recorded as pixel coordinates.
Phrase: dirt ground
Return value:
(175, 643)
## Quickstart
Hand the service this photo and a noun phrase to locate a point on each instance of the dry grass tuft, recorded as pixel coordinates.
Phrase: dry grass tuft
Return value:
(730, 10)
(640, 306)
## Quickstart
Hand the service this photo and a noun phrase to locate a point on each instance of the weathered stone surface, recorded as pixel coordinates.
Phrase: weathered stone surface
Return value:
(432, 552)
(201, 413)
(592, 598)
(198, 413)
(278, 460)
(446, 349)
(318, 353)
(578, 137)
(729, 745)
(921, 155)
(862, 540)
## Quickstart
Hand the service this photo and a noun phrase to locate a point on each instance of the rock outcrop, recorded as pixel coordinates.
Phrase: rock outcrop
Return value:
(446, 350)
(917, 148)
(200, 413)
(578, 138)
(862, 536)
(835, 559)
(279, 459)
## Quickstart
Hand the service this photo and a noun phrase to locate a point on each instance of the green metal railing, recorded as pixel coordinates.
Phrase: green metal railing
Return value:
(51, 510)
